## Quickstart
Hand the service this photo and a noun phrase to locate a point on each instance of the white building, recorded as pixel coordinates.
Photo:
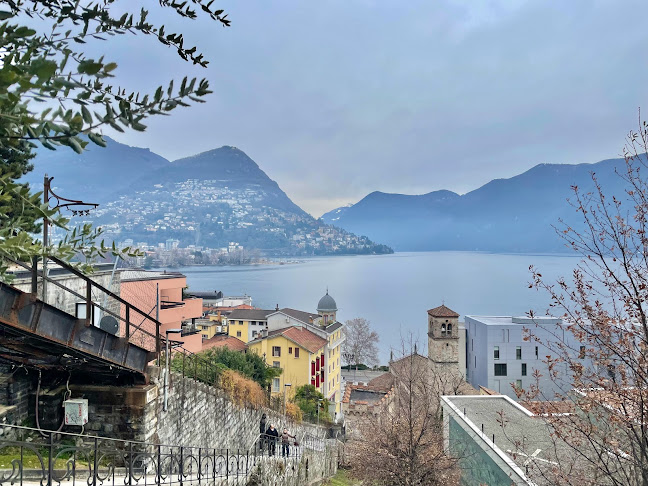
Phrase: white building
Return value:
(500, 358)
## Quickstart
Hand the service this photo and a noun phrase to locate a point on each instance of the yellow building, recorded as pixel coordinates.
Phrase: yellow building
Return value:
(247, 324)
(324, 367)
(298, 352)
(208, 328)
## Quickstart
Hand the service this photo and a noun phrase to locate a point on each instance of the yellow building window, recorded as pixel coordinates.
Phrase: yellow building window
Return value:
(296, 352)
(276, 351)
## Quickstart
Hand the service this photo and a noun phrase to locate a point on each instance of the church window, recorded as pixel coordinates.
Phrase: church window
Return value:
(443, 329)
(449, 329)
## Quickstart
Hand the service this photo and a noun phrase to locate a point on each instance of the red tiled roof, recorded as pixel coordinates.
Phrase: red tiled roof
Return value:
(382, 382)
(302, 337)
(224, 341)
(442, 311)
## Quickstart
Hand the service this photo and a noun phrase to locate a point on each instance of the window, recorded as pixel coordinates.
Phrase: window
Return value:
(472, 345)
(581, 353)
(518, 352)
(524, 369)
(449, 329)
(252, 323)
(240, 323)
(443, 329)
(536, 352)
(276, 364)
(276, 351)
(238, 333)
(290, 350)
(475, 361)
(254, 333)
(296, 352)
(496, 352)
(276, 385)
(500, 370)
(518, 384)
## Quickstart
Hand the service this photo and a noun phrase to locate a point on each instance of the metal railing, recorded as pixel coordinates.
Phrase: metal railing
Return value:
(131, 312)
(68, 458)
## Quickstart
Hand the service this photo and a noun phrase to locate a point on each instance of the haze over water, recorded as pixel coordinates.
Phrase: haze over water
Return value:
(393, 291)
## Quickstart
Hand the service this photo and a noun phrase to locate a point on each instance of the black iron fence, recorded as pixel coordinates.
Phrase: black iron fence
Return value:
(28, 457)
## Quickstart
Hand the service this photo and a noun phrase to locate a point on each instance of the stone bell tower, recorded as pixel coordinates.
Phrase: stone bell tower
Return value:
(443, 338)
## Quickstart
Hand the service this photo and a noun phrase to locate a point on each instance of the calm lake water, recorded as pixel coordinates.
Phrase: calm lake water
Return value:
(393, 291)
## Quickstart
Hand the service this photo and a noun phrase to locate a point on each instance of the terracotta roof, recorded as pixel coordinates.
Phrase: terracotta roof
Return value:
(382, 382)
(304, 338)
(250, 314)
(549, 408)
(442, 311)
(224, 342)
(487, 391)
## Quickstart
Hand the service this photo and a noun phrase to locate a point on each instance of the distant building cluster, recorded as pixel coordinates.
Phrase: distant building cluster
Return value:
(197, 213)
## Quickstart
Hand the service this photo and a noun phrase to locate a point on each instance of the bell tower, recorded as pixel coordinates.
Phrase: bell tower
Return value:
(443, 337)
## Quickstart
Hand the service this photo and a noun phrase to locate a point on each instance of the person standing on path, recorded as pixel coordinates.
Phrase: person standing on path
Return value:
(262, 429)
(272, 435)
(285, 443)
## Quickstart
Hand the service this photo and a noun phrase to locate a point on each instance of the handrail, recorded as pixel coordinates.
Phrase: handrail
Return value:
(90, 305)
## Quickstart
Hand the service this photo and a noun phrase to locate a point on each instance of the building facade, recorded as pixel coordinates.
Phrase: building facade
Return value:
(247, 324)
(324, 365)
(501, 359)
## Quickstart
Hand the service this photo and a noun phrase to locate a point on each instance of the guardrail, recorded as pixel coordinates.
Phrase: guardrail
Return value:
(131, 312)
(64, 458)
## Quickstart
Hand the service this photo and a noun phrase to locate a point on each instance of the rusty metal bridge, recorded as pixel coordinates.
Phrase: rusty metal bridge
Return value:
(35, 333)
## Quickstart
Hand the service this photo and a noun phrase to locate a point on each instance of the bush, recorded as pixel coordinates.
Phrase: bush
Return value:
(242, 390)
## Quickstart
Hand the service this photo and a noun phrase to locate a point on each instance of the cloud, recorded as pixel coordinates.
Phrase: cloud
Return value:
(337, 99)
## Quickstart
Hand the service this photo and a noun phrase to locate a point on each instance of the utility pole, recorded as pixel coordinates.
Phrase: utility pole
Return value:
(46, 189)
(61, 202)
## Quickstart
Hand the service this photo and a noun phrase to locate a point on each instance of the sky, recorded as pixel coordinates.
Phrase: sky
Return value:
(337, 99)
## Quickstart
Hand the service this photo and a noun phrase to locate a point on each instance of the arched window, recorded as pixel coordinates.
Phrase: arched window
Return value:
(449, 329)
(443, 329)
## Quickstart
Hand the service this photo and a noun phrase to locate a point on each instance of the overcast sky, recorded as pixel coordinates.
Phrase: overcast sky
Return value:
(336, 99)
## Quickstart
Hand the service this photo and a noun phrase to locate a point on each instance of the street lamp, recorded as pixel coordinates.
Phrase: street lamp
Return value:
(166, 369)
(286, 385)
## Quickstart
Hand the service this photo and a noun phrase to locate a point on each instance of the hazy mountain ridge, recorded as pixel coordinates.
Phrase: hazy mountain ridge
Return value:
(209, 199)
(504, 215)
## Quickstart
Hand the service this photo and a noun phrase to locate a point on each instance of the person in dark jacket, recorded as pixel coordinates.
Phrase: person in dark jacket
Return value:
(262, 429)
(285, 443)
(272, 435)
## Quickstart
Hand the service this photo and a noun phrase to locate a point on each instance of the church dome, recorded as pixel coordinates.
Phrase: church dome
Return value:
(327, 304)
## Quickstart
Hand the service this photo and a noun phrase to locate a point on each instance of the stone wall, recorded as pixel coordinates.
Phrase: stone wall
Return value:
(201, 415)
(198, 415)
(15, 389)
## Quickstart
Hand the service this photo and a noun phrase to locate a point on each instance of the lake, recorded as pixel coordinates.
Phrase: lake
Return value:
(393, 291)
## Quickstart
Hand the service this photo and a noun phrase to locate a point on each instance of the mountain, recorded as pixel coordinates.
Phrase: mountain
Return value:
(504, 215)
(211, 199)
(96, 174)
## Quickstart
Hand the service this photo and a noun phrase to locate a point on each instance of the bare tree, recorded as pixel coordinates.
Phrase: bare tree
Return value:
(605, 308)
(403, 443)
(360, 343)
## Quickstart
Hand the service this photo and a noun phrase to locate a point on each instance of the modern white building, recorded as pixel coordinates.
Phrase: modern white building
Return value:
(500, 358)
